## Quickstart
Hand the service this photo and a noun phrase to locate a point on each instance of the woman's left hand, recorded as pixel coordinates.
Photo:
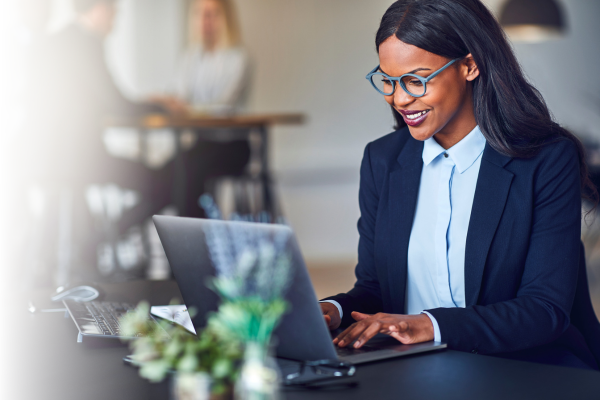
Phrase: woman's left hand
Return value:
(406, 329)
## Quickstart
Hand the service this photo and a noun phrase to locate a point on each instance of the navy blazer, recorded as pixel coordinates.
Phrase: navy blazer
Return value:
(521, 256)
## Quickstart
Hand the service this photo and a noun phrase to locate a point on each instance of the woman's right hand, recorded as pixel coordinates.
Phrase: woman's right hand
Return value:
(332, 315)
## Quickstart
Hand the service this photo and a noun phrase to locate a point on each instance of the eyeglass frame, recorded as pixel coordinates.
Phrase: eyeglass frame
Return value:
(399, 79)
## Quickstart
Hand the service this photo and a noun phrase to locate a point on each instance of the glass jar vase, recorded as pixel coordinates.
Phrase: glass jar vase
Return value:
(259, 376)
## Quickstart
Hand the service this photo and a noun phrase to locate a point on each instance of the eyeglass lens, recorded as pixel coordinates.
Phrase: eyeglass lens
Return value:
(383, 84)
(411, 84)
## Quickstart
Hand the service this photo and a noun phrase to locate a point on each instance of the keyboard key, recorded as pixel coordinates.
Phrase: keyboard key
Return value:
(105, 314)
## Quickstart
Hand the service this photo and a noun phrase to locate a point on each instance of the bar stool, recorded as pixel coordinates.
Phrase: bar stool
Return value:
(244, 195)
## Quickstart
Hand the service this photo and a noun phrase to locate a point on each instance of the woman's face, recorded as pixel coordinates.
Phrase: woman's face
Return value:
(209, 17)
(447, 106)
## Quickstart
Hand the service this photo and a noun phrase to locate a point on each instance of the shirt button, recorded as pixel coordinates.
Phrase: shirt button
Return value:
(446, 155)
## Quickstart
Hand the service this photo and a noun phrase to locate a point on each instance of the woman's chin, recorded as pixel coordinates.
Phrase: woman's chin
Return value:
(419, 133)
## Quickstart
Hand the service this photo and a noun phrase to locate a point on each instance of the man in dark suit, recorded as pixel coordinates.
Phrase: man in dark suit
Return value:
(72, 95)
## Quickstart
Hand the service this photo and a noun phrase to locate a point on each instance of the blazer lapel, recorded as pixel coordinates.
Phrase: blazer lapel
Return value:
(493, 185)
(404, 190)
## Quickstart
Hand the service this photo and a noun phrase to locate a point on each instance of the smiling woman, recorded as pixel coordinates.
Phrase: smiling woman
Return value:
(471, 209)
(448, 109)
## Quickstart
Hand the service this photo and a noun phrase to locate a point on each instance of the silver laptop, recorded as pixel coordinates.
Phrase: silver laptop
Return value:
(302, 334)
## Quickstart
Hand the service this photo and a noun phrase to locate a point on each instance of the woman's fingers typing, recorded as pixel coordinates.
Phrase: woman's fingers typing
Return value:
(359, 316)
(404, 328)
(346, 337)
(373, 329)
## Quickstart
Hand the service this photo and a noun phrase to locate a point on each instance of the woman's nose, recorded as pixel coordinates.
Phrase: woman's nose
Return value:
(401, 98)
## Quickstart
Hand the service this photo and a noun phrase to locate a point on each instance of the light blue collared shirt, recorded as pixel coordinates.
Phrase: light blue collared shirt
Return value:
(436, 249)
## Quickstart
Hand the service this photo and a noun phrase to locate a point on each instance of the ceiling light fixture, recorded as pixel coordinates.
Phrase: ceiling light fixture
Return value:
(532, 20)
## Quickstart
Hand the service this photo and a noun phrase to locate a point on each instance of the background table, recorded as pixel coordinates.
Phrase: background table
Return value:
(245, 124)
(41, 360)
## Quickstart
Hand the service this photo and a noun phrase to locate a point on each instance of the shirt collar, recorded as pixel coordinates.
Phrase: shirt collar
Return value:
(463, 153)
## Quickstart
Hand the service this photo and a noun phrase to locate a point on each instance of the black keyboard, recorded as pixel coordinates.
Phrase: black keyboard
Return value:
(98, 318)
(351, 351)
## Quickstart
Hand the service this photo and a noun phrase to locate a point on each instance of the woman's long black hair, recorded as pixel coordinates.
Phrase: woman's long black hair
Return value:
(511, 113)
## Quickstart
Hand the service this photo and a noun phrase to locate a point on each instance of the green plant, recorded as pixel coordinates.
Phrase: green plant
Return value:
(250, 319)
(253, 271)
(164, 347)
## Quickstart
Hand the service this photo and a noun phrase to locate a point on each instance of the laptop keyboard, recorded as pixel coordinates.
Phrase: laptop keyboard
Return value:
(107, 315)
(351, 351)
(98, 317)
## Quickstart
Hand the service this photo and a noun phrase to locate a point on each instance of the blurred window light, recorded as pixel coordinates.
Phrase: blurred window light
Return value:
(62, 15)
(123, 143)
(9, 9)
(110, 201)
(13, 118)
(533, 20)
(36, 200)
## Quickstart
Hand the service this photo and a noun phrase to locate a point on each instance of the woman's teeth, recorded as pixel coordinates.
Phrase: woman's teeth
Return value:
(417, 115)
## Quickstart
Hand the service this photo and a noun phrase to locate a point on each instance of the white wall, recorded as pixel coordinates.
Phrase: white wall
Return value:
(143, 49)
(565, 70)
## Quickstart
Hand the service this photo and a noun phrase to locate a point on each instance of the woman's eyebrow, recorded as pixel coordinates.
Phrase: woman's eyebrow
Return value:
(411, 72)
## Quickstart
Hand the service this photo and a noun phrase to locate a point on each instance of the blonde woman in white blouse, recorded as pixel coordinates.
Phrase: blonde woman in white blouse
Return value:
(213, 73)
(212, 78)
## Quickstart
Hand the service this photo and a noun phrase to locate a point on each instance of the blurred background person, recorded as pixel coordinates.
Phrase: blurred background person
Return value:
(21, 47)
(71, 94)
(213, 73)
(212, 78)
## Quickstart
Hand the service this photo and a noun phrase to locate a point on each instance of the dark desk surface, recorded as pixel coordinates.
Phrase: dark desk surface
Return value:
(43, 361)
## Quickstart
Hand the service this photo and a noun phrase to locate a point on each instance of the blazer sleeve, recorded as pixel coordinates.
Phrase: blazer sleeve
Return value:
(366, 294)
(540, 311)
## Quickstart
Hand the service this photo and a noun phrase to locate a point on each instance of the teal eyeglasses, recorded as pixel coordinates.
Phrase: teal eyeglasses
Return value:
(414, 85)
